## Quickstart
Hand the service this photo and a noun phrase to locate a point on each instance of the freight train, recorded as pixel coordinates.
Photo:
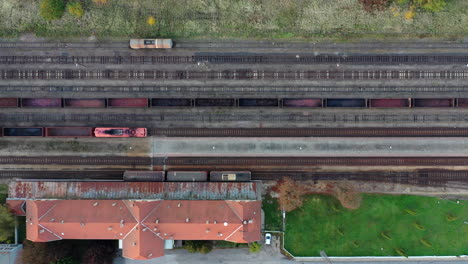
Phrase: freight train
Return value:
(112, 132)
(232, 102)
(187, 176)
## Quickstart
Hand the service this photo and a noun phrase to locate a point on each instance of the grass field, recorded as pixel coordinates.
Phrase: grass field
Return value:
(323, 224)
(272, 214)
(292, 19)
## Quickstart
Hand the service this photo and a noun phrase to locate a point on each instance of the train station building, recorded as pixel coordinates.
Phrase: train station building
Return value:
(143, 215)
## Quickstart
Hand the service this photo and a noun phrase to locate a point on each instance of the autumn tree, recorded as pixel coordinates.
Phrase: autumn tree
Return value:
(290, 194)
(100, 252)
(75, 9)
(374, 5)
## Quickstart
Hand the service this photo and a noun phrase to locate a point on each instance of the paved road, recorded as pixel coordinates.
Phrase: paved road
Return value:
(234, 256)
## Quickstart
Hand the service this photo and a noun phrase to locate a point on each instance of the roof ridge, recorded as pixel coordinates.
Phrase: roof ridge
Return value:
(50, 209)
(234, 210)
(240, 226)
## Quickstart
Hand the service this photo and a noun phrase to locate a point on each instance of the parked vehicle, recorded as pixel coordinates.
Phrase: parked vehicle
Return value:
(267, 239)
(119, 132)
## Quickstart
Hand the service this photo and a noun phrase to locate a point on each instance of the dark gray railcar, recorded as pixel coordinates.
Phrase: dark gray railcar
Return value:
(144, 176)
(187, 176)
(230, 176)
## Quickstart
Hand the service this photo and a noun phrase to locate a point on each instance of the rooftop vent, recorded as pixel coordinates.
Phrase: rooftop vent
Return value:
(220, 234)
(62, 234)
(215, 222)
(207, 221)
(244, 222)
(109, 228)
(52, 220)
(178, 205)
(157, 221)
(250, 221)
(150, 255)
(121, 234)
(187, 220)
(41, 231)
(82, 224)
(62, 222)
(95, 204)
(114, 204)
(144, 229)
(207, 230)
(134, 244)
(225, 223)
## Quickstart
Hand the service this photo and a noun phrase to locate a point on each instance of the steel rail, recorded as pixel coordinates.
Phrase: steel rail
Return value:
(239, 74)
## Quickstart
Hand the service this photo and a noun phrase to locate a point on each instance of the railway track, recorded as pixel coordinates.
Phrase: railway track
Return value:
(242, 45)
(245, 59)
(62, 175)
(68, 160)
(284, 162)
(311, 132)
(435, 178)
(421, 177)
(157, 119)
(232, 90)
(240, 74)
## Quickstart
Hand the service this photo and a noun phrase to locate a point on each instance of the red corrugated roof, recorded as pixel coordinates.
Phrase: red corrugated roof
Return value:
(134, 190)
(143, 225)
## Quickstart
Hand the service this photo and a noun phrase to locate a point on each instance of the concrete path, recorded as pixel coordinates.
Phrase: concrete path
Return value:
(318, 147)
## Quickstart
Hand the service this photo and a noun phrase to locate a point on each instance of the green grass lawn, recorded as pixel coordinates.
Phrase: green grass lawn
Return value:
(272, 214)
(306, 19)
(318, 223)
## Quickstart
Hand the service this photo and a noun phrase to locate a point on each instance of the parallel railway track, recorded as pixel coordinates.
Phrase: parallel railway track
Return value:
(239, 74)
(187, 119)
(311, 132)
(205, 162)
(421, 177)
(435, 178)
(106, 160)
(231, 90)
(242, 45)
(236, 59)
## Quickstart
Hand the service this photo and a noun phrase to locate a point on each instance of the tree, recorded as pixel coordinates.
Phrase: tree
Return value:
(202, 246)
(290, 194)
(7, 223)
(46, 253)
(100, 252)
(431, 5)
(52, 9)
(151, 21)
(75, 9)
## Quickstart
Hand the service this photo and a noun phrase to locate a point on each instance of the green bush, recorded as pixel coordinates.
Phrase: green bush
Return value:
(206, 248)
(410, 211)
(52, 9)
(75, 9)
(386, 235)
(340, 231)
(401, 252)
(254, 247)
(450, 217)
(425, 242)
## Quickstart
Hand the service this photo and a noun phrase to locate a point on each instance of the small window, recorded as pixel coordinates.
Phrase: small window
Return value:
(149, 42)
